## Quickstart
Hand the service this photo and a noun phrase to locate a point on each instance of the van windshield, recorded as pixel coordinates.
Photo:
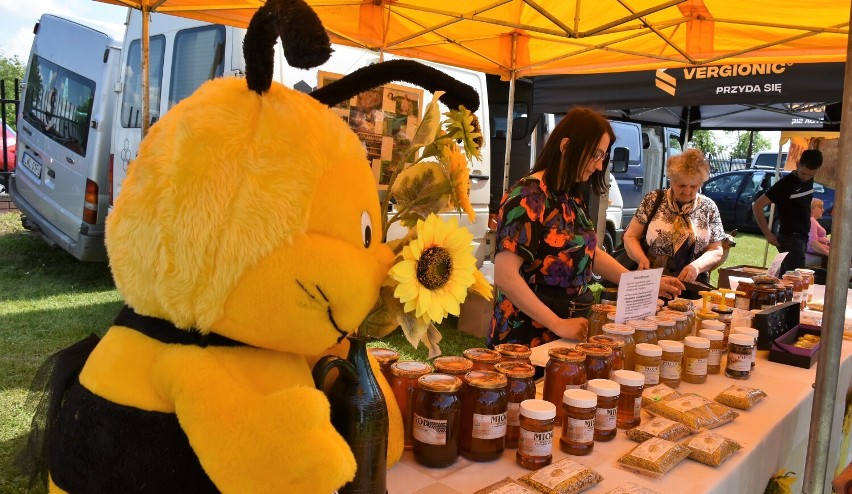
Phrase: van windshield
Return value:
(59, 103)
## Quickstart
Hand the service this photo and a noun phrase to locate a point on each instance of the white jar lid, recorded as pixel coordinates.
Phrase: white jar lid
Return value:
(741, 339)
(711, 334)
(696, 342)
(538, 409)
(671, 346)
(579, 398)
(603, 387)
(713, 324)
(745, 330)
(648, 350)
(628, 377)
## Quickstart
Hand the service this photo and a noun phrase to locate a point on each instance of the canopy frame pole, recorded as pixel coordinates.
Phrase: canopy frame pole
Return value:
(822, 413)
(511, 111)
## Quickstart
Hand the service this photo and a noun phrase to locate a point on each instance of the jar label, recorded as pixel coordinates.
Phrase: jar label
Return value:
(489, 426)
(696, 366)
(715, 357)
(653, 449)
(513, 414)
(605, 418)
(652, 373)
(429, 431)
(739, 362)
(567, 469)
(538, 444)
(637, 406)
(580, 430)
(670, 370)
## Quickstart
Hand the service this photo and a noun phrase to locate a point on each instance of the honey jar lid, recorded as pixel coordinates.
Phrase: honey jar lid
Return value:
(410, 368)
(538, 409)
(606, 340)
(580, 398)
(439, 383)
(696, 342)
(513, 350)
(713, 324)
(628, 377)
(711, 334)
(384, 355)
(564, 354)
(671, 346)
(451, 364)
(483, 355)
(486, 379)
(745, 330)
(741, 339)
(648, 350)
(603, 387)
(619, 329)
(665, 321)
(595, 349)
(670, 314)
(642, 325)
(515, 370)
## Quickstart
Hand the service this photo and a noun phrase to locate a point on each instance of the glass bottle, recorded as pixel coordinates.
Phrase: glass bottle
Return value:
(624, 333)
(597, 318)
(564, 370)
(578, 422)
(453, 365)
(696, 350)
(644, 331)
(436, 420)
(385, 357)
(521, 387)
(535, 446)
(714, 357)
(483, 415)
(617, 347)
(672, 361)
(598, 361)
(631, 384)
(606, 410)
(739, 356)
(514, 351)
(648, 361)
(483, 358)
(404, 375)
(807, 283)
(796, 279)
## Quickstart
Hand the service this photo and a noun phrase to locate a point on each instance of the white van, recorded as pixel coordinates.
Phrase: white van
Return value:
(64, 127)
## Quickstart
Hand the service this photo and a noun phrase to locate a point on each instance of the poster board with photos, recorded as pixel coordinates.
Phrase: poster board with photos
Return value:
(385, 119)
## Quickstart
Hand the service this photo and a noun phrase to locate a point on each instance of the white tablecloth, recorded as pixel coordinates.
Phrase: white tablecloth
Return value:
(774, 435)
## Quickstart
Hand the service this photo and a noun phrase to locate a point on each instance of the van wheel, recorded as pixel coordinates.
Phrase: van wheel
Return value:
(608, 243)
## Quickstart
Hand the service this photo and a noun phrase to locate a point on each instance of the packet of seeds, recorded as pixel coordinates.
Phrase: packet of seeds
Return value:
(658, 427)
(741, 397)
(653, 458)
(694, 411)
(562, 477)
(632, 488)
(711, 448)
(506, 486)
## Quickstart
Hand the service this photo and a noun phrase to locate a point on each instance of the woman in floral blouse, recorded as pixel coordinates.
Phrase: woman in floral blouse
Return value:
(546, 241)
(685, 235)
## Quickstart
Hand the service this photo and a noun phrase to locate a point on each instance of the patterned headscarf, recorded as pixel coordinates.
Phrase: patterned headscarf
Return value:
(683, 230)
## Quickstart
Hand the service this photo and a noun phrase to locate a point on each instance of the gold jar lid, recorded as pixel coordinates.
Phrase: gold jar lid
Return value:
(483, 355)
(515, 370)
(452, 364)
(384, 355)
(609, 341)
(439, 383)
(595, 349)
(410, 369)
(486, 379)
(513, 350)
(564, 354)
(642, 325)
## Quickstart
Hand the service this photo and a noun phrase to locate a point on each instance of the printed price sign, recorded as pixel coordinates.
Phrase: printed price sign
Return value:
(637, 294)
(775, 267)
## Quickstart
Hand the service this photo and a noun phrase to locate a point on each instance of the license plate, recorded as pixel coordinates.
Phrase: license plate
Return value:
(32, 165)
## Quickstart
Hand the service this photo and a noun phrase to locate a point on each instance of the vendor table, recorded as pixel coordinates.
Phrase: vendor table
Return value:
(774, 435)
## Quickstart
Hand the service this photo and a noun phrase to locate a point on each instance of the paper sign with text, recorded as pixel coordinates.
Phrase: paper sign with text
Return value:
(637, 294)
(775, 267)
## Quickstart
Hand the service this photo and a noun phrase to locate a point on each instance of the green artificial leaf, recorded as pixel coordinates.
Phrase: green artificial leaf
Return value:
(419, 190)
(413, 329)
(429, 125)
(385, 315)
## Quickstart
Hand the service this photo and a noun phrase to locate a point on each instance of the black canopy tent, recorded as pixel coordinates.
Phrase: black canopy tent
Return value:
(748, 96)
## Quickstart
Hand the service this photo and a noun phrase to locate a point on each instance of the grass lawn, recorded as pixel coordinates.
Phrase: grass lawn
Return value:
(49, 301)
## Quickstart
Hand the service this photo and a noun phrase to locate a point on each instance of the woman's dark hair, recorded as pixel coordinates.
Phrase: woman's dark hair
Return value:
(584, 129)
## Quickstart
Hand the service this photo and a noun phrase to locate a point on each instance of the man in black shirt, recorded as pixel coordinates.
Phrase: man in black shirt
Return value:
(792, 198)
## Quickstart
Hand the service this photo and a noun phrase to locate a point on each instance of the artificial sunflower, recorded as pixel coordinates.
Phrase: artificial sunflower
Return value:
(456, 166)
(436, 269)
(463, 126)
(481, 286)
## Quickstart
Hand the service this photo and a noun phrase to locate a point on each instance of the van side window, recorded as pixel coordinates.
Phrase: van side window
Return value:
(199, 55)
(59, 103)
(131, 96)
(628, 136)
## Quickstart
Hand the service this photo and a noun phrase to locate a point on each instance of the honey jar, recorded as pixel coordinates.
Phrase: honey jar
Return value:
(672, 361)
(631, 385)
(578, 422)
(521, 387)
(535, 446)
(453, 365)
(404, 375)
(717, 347)
(483, 358)
(598, 361)
(385, 357)
(483, 415)
(564, 370)
(606, 411)
(514, 351)
(648, 361)
(436, 420)
(614, 344)
(696, 351)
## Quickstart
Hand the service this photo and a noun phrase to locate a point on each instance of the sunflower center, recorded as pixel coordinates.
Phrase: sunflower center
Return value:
(434, 267)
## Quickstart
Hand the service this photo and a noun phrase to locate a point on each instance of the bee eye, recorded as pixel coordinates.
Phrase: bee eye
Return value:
(366, 229)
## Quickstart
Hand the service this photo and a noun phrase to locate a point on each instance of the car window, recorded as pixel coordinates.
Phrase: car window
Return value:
(724, 184)
(753, 183)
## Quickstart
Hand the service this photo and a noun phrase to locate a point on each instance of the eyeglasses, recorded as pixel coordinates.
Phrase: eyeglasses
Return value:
(598, 155)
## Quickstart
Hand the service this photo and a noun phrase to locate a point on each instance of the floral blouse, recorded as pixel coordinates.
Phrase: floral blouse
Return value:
(705, 219)
(557, 241)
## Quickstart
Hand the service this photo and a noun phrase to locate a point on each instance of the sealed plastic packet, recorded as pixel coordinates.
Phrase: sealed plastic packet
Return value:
(658, 427)
(631, 488)
(506, 486)
(562, 477)
(711, 448)
(693, 411)
(741, 397)
(653, 457)
(660, 392)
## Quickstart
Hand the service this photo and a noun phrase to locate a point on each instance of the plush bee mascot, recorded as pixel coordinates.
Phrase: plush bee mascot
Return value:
(246, 243)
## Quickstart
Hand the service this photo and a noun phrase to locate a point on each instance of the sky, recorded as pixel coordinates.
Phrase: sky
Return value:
(17, 18)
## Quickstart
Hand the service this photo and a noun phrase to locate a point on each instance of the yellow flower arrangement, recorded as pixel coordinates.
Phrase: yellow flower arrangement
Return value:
(435, 268)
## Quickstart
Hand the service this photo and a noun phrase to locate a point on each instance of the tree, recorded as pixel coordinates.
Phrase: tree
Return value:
(11, 69)
(706, 142)
(748, 143)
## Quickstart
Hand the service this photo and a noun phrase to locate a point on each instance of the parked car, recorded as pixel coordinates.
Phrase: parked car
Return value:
(735, 191)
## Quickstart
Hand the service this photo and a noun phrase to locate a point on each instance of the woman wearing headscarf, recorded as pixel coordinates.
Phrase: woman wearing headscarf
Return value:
(685, 233)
